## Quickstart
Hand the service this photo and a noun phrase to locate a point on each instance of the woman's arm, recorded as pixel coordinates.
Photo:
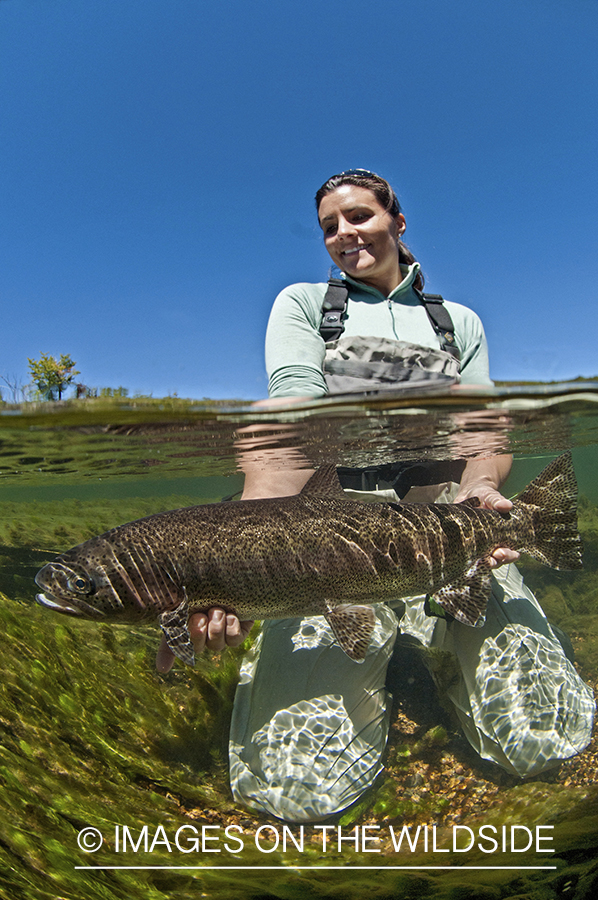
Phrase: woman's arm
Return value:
(294, 348)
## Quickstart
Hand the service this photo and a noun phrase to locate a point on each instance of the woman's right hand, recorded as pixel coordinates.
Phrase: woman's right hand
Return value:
(214, 630)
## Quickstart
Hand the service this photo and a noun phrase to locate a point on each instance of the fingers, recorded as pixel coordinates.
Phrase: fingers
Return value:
(236, 631)
(164, 657)
(214, 630)
(496, 501)
(502, 556)
(223, 630)
(198, 631)
(215, 637)
(489, 498)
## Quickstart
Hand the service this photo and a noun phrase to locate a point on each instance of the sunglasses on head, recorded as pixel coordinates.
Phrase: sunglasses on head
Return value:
(356, 172)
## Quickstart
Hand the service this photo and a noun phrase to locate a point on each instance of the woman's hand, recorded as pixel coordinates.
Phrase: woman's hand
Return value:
(480, 479)
(214, 630)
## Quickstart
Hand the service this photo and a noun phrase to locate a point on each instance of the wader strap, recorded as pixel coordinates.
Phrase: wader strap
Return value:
(441, 320)
(333, 310)
(335, 304)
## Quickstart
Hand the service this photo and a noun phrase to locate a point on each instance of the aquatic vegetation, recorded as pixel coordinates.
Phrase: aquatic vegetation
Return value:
(91, 734)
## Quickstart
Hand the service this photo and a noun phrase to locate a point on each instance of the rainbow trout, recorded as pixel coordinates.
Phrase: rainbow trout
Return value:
(316, 553)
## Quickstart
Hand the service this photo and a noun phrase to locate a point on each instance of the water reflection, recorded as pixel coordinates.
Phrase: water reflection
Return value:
(81, 441)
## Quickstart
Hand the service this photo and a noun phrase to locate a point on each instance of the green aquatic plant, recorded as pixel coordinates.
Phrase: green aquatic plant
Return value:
(92, 735)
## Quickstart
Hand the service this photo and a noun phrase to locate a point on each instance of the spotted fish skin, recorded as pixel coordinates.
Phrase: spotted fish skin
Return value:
(316, 553)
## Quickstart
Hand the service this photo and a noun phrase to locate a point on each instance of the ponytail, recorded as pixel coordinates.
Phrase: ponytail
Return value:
(407, 258)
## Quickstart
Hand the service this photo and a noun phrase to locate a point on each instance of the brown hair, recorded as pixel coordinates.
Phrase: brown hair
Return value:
(385, 196)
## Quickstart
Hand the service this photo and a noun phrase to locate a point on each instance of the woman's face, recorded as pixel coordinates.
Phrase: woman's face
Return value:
(362, 237)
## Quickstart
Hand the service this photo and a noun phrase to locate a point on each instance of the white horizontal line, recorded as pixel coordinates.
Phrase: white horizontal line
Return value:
(323, 867)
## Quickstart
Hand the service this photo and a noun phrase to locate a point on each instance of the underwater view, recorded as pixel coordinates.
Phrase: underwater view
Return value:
(115, 778)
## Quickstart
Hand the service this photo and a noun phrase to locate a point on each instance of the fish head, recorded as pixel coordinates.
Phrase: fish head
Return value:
(97, 580)
(71, 590)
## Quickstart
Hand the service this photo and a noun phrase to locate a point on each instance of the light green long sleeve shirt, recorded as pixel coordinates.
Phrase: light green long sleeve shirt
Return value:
(295, 349)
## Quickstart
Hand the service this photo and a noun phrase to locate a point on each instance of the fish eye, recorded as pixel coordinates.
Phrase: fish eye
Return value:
(80, 584)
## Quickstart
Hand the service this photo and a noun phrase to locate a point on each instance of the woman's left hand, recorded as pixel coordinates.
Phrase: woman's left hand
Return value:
(490, 498)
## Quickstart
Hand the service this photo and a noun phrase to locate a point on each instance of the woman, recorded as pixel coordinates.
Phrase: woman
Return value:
(310, 726)
(362, 224)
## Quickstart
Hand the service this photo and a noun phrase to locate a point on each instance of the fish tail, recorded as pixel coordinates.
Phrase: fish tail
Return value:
(551, 498)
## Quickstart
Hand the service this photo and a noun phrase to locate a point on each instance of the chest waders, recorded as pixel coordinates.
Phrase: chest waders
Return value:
(362, 364)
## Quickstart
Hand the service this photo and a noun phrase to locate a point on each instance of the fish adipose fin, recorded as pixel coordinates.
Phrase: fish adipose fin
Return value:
(466, 598)
(552, 500)
(175, 628)
(324, 483)
(353, 627)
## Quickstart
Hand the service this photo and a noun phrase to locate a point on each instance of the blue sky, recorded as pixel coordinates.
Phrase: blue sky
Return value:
(158, 162)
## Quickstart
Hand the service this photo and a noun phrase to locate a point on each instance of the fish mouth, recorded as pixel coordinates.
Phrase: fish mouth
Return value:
(79, 608)
(51, 602)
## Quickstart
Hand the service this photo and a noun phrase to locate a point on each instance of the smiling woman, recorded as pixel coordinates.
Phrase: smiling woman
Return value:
(363, 227)
(361, 235)
(379, 202)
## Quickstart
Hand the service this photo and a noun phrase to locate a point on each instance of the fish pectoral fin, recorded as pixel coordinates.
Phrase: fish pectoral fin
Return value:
(353, 627)
(466, 599)
(174, 625)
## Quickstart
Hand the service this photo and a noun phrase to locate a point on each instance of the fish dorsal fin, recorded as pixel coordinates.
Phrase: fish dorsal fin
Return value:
(324, 483)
